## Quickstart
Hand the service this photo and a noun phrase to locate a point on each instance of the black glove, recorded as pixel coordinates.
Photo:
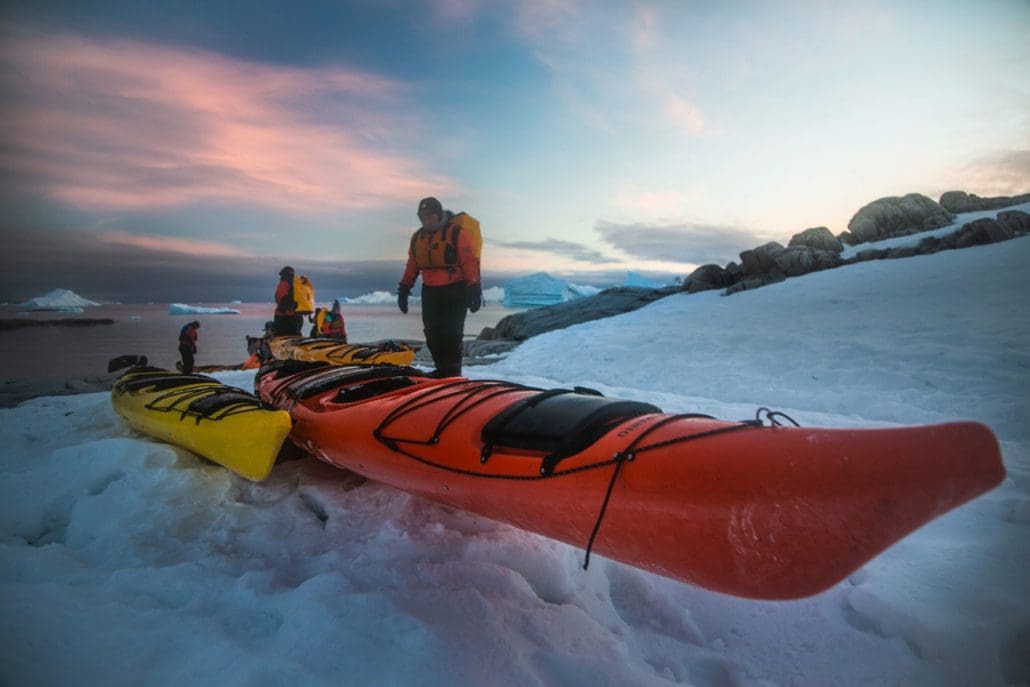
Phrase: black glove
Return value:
(474, 297)
(402, 297)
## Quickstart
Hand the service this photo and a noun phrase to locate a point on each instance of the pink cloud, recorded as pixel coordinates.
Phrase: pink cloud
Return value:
(126, 125)
(166, 244)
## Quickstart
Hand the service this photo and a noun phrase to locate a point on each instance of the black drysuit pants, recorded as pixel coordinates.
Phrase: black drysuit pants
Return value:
(443, 322)
(186, 351)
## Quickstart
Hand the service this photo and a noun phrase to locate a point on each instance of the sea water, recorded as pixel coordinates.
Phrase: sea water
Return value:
(66, 352)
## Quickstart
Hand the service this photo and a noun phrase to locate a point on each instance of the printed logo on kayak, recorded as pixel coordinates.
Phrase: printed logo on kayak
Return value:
(637, 424)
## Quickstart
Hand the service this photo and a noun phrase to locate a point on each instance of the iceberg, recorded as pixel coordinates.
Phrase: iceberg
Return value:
(495, 294)
(639, 280)
(183, 309)
(537, 290)
(373, 298)
(59, 299)
(492, 295)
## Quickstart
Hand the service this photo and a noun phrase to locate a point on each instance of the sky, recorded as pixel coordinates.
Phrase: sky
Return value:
(187, 150)
(127, 561)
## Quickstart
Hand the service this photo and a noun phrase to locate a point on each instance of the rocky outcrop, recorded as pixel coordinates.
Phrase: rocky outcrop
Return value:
(960, 201)
(979, 232)
(889, 217)
(761, 260)
(15, 391)
(708, 277)
(819, 238)
(522, 325)
(1016, 220)
(798, 260)
(21, 323)
(771, 263)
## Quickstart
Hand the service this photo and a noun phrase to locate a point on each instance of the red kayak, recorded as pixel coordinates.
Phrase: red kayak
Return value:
(756, 508)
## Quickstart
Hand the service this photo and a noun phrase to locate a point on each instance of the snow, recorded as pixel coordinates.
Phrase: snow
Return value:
(59, 299)
(184, 309)
(126, 561)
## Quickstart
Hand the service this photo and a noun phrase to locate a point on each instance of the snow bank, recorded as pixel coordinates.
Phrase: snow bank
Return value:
(125, 561)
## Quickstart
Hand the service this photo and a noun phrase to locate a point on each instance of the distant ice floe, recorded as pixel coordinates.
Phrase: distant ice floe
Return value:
(494, 294)
(59, 299)
(183, 309)
(373, 298)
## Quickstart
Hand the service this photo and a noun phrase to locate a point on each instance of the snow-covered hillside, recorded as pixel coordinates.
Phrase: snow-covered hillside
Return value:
(125, 561)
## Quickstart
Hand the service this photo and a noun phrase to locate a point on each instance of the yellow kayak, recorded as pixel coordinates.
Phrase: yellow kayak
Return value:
(221, 423)
(336, 352)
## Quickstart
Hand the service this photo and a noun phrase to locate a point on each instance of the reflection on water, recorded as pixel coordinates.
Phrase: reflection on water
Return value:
(68, 352)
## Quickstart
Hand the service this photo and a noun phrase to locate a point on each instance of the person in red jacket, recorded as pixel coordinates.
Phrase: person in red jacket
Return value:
(447, 261)
(287, 321)
(333, 325)
(188, 346)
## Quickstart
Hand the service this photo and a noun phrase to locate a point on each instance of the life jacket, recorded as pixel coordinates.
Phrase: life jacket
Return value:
(303, 295)
(284, 303)
(333, 325)
(317, 329)
(439, 247)
(186, 336)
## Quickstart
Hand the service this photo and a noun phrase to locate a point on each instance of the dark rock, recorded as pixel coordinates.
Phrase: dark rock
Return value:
(847, 238)
(930, 244)
(819, 238)
(13, 392)
(521, 326)
(735, 271)
(870, 254)
(902, 252)
(983, 231)
(752, 283)
(889, 217)
(960, 201)
(798, 260)
(762, 259)
(707, 277)
(6, 324)
(1016, 220)
(482, 352)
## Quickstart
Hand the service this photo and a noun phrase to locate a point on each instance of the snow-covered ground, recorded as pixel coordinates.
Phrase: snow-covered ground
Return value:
(124, 561)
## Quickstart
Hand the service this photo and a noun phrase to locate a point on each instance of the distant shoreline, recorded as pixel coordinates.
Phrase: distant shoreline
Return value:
(7, 324)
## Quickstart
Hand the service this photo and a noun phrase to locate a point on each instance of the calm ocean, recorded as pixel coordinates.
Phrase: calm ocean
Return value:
(70, 352)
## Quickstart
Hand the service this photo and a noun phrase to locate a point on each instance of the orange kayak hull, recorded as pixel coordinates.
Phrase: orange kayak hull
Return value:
(765, 512)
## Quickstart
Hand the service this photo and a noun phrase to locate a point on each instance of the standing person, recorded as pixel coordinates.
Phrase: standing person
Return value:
(188, 346)
(333, 325)
(287, 321)
(447, 258)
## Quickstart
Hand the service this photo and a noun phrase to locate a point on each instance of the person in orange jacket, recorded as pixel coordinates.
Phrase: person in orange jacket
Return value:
(447, 261)
(333, 325)
(287, 321)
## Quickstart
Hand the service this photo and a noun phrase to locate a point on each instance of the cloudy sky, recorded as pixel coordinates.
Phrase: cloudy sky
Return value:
(185, 150)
